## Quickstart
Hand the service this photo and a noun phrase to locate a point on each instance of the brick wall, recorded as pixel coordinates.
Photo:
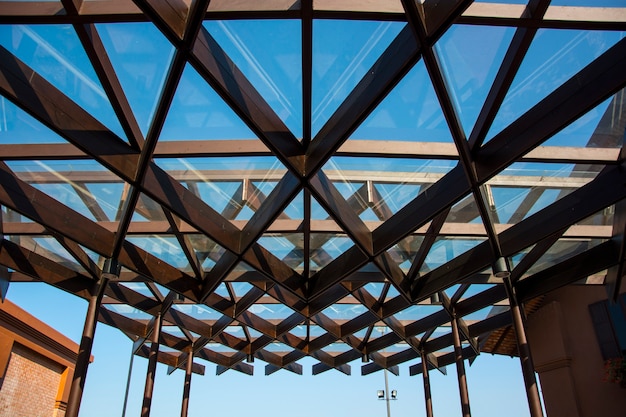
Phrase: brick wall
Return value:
(30, 385)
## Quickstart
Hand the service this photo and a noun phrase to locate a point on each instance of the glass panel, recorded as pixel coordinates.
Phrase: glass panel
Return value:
(410, 112)
(18, 127)
(289, 247)
(206, 250)
(82, 185)
(598, 128)
(553, 57)
(141, 57)
(49, 248)
(416, 312)
(269, 53)
(197, 311)
(447, 248)
(240, 288)
(344, 311)
(326, 247)
(55, 53)
(343, 51)
(271, 311)
(128, 311)
(470, 57)
(199, 113)
(374, 288)
(395, 182)
(166, 248)
(403, 253)
(220, 181)
(525, 188)
(562, 250)
(277, 347)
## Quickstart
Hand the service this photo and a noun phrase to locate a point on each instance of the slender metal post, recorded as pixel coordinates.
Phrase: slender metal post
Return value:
(152, 364)
(84, 351)
(528, 368)
(187, 386)
(460, 368)
(387, 393)
(130, 373)
(428, 401)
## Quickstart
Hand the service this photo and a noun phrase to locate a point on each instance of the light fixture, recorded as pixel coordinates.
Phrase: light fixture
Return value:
(365, 358)
(500, 268)
(249, 358)
(381, 394)
(394, 394)
(435, 299)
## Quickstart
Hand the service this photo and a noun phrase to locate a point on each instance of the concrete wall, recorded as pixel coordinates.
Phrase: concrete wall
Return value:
(568, 359)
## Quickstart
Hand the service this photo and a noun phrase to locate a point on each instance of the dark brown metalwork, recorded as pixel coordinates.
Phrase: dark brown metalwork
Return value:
(384, 264)
(152, 364)
(460, 369)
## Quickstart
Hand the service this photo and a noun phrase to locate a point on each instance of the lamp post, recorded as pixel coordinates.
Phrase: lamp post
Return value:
(386, 394)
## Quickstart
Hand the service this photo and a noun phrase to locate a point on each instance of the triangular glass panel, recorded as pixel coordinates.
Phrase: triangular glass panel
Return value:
(464, 212)
(326, 247)
(299, 331)
(469, 57)
(240, 288)
(380, 329)
(270, 310)
(138, 287)
(228, 185)
(12, 216)
(447, 248)
(598, 128)
(375, 289)
(602, 218)
(49, 248)
(55, 53)
(403, 252)
(344, 310)
(391, 293)
(147, 210)
(206, 250)
(222, 291)
(410, 113)
(165, 248)
(385, 185)
(343, 52)
(199, 113)
(532, 186)
(236, 331)
(19, 128)
(450, 291)
(197, 311)
(95, 258)
(554, 57)
(269, 53)
(288, 247)
(82, 185)
(562, 250)
(141, 56)
(128, 311)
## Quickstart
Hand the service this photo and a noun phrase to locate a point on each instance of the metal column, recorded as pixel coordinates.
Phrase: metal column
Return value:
(528, 368)
(428, 401)
(460, 368)
(187, 386)
(152, 364)
(84, 351)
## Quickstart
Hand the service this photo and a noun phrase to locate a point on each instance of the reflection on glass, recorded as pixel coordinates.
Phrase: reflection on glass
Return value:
(343, 51)
(55, 53)
(446, 248)
(269, 53)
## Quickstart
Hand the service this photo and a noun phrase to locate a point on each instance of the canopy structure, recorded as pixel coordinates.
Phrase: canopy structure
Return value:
(281, 179)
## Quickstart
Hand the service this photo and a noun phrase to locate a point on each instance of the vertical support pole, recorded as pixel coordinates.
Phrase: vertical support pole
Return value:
(84, 351)
(460, 368)
(187, 386)
(128, 379)
(428, 401)
(387, 392)
(528, 368)
(152, 364)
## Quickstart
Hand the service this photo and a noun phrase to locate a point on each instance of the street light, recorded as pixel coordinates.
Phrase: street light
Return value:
(384, 394)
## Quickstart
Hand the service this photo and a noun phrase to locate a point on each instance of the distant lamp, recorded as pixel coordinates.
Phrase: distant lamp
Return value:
(381, 394)
(365, 358)
(435, 299)
(500, 268)
(249, 358)
(394, 394)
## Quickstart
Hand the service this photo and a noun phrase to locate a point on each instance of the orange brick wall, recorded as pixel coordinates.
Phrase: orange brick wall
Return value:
(30, 385)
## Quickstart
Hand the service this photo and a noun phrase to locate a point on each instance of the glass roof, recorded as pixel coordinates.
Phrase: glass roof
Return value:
(291, 183)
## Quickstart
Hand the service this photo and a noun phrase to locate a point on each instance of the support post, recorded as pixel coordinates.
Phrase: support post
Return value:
(528, 368)
(84, 351)
(152, 364)
(428, 401)
(460, 368)
(128, 379)
(187, 386)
